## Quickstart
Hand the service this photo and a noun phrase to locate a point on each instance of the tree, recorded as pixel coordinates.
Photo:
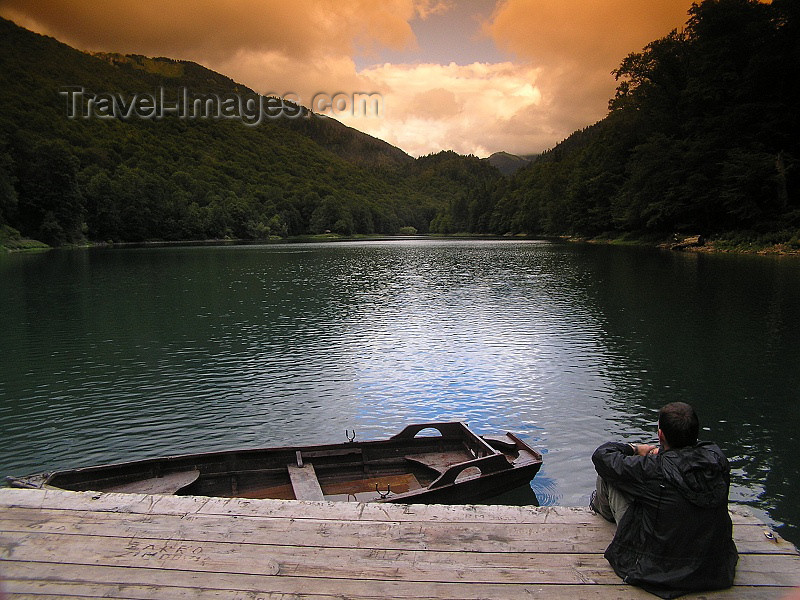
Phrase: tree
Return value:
(8, 193)
(50, 204)
(102, 210)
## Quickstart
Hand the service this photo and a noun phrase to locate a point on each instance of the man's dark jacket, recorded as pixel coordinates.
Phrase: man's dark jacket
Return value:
(676, 537)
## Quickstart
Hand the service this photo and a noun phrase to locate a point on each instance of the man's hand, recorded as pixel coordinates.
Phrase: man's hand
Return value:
(644, 449)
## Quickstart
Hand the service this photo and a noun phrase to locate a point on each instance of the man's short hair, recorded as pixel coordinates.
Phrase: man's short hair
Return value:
(679, 424)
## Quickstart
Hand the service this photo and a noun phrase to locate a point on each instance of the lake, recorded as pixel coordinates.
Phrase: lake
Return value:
(119, 354)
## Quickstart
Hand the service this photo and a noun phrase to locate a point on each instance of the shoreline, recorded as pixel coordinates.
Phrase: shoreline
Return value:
(709, 246)
(16, 243)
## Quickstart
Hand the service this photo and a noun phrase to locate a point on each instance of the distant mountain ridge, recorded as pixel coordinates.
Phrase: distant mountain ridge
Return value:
(508, 164)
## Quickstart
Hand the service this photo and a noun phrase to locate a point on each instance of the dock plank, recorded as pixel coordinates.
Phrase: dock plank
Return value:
(341, 562)
(81, 544)
(46, 590)
(442, 536)
(350, 511)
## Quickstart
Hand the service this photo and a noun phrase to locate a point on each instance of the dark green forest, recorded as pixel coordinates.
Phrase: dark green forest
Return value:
(701, 138)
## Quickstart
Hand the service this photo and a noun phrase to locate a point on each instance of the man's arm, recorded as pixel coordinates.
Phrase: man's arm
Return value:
(623, 464)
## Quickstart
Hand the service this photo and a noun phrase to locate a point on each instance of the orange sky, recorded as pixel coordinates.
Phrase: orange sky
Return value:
(474, 76)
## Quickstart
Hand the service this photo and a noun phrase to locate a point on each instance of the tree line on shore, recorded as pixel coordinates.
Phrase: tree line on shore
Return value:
(701, 137)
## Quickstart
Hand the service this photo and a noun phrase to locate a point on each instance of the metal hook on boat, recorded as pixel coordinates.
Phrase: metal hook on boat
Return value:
(350, 440)
(385, 494)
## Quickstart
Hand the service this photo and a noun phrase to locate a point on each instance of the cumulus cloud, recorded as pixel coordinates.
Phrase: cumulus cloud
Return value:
(426, 8)
(211, 30)
(595, 34)
(577, 44)
(472, 109)
(560, 82)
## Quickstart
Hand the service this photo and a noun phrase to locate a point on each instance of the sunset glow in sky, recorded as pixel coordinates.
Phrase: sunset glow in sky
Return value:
(474, 76)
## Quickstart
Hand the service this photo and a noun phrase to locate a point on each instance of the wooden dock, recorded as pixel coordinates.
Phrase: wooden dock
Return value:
(57, 544)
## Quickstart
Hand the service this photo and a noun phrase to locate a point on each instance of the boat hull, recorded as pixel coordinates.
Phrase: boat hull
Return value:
(454, 466)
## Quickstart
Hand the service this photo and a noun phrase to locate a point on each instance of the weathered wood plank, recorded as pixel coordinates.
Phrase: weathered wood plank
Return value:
(332, 563)
(338, 562)
(62, 591)
(168, 484)
(305, 483)
(443, 536)
(352, 511)
(440, 461)
(120, 582)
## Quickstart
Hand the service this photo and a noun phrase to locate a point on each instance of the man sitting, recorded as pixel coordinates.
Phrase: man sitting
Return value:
(674, 534)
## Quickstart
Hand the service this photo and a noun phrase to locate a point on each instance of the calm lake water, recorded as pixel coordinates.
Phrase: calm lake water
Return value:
(120, 354)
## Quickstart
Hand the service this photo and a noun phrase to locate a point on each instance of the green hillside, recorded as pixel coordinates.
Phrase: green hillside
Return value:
(65, 180)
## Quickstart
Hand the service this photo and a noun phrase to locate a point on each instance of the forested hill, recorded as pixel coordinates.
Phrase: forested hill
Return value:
(66, 180)
(702, 138)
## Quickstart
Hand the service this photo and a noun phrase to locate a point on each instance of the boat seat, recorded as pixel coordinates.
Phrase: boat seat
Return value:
(501, 442)
(305, 483)
(170, 483)
(439, 461)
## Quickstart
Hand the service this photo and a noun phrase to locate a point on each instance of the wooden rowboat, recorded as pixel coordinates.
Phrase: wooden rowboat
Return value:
(454, 466)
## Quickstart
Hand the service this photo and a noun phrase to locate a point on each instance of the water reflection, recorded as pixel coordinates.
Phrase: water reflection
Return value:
(719, 332)
(123, 354)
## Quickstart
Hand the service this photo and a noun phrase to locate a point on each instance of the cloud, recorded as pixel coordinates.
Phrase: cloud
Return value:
(210, 30)
(436, 103)
(426, 8)
(561, 82)
(279, 73)
(472, 109)
(577, 43)
(590, 33)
